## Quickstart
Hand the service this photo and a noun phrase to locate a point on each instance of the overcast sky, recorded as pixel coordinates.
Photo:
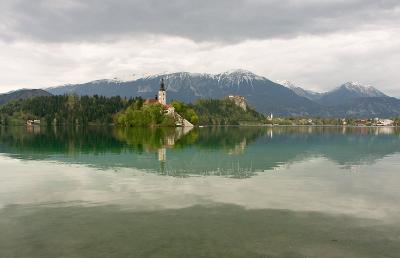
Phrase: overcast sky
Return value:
(317, 44)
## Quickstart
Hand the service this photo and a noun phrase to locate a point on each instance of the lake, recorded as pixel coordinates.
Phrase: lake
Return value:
(206, 192)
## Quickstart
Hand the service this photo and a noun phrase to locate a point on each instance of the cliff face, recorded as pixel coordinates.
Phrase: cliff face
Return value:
(239, 101)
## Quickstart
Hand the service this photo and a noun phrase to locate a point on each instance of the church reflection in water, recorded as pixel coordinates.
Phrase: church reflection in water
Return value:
(238, 152)
(169, 141)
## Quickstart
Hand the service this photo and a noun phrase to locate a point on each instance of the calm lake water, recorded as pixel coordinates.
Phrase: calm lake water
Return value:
(207, 192)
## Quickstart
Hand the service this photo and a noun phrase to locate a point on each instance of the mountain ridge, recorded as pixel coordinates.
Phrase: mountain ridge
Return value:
(22, 94)
(189, 87)
(261, 93)
(311, 95)
(348, 91)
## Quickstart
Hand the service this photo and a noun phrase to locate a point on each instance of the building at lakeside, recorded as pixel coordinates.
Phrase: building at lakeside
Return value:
(161, 98)
(375, 122)
(383, 122)
(33, 122)
(162, 94)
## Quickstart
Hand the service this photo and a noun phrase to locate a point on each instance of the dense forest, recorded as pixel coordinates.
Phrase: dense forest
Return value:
(86, 110)
(186, 111)
(65, 109)
(76, 110)
(140, 114)
(225, 112)
(202, 112)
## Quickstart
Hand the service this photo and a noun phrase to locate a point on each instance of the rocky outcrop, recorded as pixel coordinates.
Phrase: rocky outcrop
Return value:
(239, 101)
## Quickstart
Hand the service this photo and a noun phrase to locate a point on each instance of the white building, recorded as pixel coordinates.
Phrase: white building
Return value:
(386, 122)
(162, 94)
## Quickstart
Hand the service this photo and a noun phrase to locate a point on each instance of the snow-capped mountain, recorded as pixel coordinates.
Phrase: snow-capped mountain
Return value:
(361, 90)
(282, 99)
(348, 92)
(261, 93)
(237, 77)
(338, 96)
(311, 95)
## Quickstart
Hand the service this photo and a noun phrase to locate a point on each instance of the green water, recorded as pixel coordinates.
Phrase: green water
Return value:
(206, 192)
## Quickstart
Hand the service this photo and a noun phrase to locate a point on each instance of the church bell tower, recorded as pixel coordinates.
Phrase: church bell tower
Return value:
(162, 94)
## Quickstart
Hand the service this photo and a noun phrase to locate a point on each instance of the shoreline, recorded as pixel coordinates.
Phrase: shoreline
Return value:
(202, 126)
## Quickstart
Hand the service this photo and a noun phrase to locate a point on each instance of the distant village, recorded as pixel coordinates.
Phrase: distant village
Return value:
(373, 122)
(241, 102)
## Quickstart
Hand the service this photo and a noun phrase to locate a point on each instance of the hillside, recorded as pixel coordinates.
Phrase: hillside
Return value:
(351, 99)
(22, 94)
(369, 107)
(225, 111)
(262, 94)
(311, 95)
(63, 110)
(76, 110)
(348, 91)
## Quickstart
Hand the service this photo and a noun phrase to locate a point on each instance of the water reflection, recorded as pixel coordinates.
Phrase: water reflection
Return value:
(88, 192)
(225, 151)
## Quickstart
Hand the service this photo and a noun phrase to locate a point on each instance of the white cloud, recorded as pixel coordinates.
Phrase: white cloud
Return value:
(318, 62)
(205, 20)
(317, 44)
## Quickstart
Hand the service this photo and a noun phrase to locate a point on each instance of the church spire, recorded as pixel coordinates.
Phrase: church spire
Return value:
(162, 94)
(162, 86)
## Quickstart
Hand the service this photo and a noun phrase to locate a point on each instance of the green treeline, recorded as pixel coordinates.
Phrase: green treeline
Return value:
(225, 112)
(64, 110)
(186, 111)
(202, 112)
(75, 110)
(140, 114)
(86, 110)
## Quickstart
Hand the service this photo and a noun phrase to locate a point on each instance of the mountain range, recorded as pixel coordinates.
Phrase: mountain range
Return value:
(22, 94)
(351, 99)
(338, 96)
(261, 93)
(280, 98)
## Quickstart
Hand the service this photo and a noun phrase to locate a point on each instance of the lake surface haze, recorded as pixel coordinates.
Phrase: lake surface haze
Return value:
(206, 192)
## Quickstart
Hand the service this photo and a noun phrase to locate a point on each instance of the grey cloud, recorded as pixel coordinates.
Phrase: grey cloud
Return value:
(199, 20)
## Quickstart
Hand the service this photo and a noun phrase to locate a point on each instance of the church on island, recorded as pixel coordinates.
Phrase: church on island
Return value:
(161, 98)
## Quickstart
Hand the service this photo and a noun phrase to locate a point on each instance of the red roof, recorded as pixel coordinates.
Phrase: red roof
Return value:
(155, 101)
(151, 101)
